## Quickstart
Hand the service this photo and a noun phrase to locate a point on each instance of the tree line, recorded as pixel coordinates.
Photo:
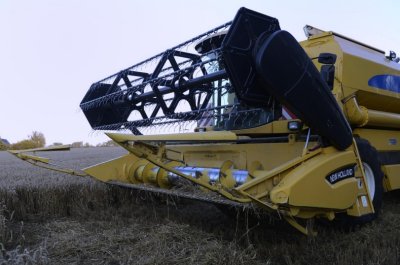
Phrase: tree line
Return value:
(37, 140)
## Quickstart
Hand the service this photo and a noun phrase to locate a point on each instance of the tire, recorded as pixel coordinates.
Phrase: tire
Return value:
(374, 179)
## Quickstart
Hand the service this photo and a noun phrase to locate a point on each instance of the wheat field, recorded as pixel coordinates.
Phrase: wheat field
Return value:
(52, 218)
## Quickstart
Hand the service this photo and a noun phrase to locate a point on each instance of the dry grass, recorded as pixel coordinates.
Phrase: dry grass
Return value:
(49, 218)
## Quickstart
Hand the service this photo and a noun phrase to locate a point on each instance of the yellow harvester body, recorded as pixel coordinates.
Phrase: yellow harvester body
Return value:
(282, 175)
(276, 166)
(373, 112)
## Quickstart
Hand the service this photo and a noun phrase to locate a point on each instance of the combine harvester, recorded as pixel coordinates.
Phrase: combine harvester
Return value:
(308, 130)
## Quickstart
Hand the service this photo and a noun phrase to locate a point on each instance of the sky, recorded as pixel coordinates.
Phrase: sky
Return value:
(51, 51)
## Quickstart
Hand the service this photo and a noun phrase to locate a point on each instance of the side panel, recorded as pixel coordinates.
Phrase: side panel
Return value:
(392, 177)
(387, 143)
(382, 140)
(270, 155)
(116, 169)
(360, 70)
(307, 185)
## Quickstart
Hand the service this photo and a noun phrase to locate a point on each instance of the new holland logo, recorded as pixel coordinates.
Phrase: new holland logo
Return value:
(341, 174)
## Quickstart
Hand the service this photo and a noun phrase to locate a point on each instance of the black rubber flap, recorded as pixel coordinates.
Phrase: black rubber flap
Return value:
(105, 114)
(291, 77)
(238, 48)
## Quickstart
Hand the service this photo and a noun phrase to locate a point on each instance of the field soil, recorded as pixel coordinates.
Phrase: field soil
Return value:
(52, 218)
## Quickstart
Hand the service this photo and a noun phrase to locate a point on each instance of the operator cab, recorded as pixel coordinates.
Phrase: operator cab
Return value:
(226, 112)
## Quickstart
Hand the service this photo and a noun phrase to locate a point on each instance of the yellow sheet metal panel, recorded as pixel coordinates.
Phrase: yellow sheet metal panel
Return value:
(216, 158)
(361, 64)
(270, 155)
(306, 185)
(266, 179)
(382, 140)
(379, 100)
(279, 126)
(322, 44)
(43, 149)
(392, 173)
(197, 136)
(116, 169)
(33, 158)
(360, 69)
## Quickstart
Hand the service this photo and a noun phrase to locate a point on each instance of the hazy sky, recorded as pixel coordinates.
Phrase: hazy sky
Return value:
(52, 51)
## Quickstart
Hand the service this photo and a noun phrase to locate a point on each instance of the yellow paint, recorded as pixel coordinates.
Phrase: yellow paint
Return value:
(284, 176)
(392, 173)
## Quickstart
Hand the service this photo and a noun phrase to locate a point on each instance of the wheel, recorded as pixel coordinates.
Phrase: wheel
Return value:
(374, 181)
